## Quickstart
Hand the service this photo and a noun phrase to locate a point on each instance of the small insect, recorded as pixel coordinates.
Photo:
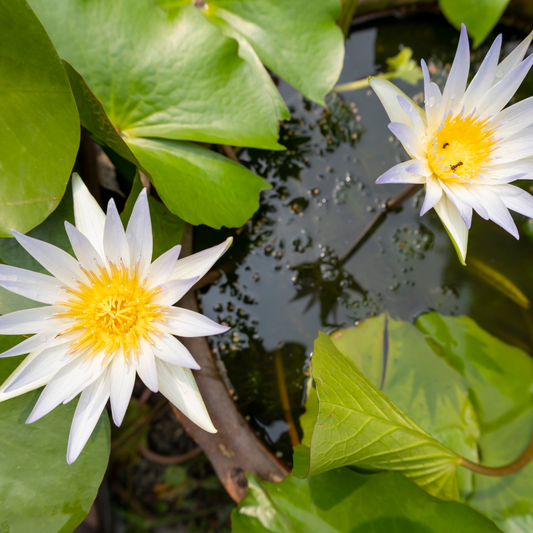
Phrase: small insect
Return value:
(445, 145)
(453, 167)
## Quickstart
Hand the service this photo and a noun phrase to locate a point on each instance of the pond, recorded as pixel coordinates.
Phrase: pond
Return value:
(287, 274)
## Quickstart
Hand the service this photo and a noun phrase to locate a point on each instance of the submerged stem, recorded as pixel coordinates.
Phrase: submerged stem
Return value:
(505, 470)
(374, 224)
(284, 396)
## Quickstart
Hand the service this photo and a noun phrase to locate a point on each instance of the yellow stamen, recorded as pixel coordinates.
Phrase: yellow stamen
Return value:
(114, 311)
(461, 147)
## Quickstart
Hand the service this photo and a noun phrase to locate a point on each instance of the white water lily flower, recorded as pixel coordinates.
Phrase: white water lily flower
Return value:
(465, 147)
(109, 318)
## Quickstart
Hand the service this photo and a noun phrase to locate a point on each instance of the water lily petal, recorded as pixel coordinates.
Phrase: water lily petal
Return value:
(496, 209)
(146, 365)
(86, 253)
(115, 243)
(433, 194)
(454, 225)
(416, 120)
(46, 363)
(458, 77)
(174, 290)
(499, 95)
(515, 198)
(200, 263)
(388, 94)
(465, 210)
(70, 378)
(31, 386)
(89, 217)
(185, 323)
(409, 140)
(178, 385)
(41, 341)
(400, 174)
(30, 321)
(139, 233)
(161, 269)
(484, 77)
(512, 60)
(122, 382)
(90, 406)
(169, 349)
(60, 264)
(32, 285)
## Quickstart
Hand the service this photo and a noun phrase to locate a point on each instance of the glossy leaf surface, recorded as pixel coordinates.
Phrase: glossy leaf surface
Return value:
(466, 388)
(39, 491)
(297, 40)
(39, 126)
(500, 382)
(343, 501)
(479, 16)
(198, 185)
(358, 425)
(94, 119)
(138, 62)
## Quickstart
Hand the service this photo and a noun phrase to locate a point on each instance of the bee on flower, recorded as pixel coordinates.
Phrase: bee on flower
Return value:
(110, 317)
(465, 148)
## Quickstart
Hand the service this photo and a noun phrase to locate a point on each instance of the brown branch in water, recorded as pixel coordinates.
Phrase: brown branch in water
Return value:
(168, 460)
(230, 152)
(505, 470)
(145, 396)
(390, 205)
(284, 396)
(235, 449)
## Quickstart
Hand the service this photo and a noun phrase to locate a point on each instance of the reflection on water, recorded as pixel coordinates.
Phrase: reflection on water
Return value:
(285, 277)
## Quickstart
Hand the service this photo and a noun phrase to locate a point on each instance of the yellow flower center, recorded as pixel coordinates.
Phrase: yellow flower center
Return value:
(461, 147)
(114, 311)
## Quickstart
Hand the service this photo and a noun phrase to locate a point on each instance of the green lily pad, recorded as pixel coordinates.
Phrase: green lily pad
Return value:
(396, 357)
(358, 425)
(52, 230)
(343, 501)
(39, 126)
(466, 388)
(138, 61)
(94, 119)
(298, 40)
(39, 491)
(479, 16)
(207, 189)
(500, 381)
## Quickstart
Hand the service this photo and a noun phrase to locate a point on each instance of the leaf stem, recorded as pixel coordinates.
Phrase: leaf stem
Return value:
(284, 396)
(505, 470)
(361, 84)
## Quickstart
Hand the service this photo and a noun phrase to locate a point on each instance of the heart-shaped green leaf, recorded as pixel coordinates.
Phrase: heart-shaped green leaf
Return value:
(198, 185)
(343, 501)
(479, 16)
(39, 126)
(500, 382)
(94, 119)
(298, 40)
(162, 75)
(39, 491)
(466, 388)
(358, 425)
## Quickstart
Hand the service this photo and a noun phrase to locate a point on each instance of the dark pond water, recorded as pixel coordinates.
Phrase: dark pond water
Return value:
(284, 279)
